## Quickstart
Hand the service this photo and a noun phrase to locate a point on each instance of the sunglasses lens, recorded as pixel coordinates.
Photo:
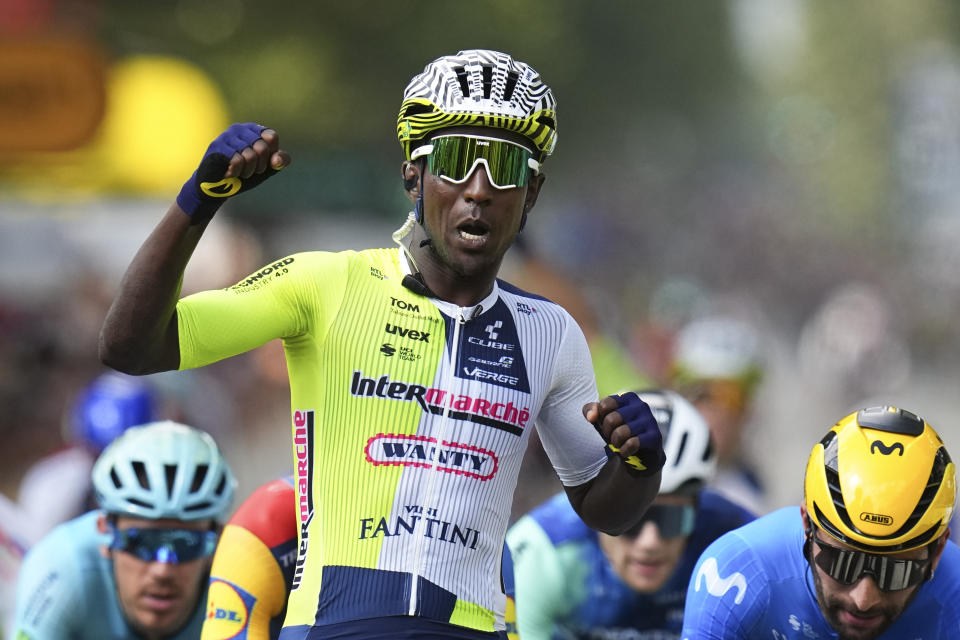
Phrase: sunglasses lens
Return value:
(165, 545)
(847, 566)
(672, 520)
(454, 158)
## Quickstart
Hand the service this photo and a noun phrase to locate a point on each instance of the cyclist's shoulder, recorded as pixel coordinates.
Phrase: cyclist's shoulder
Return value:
(558, 521)
(720, 513)
(767, 541)
(269, 512)
(530, 304)
(76, 540)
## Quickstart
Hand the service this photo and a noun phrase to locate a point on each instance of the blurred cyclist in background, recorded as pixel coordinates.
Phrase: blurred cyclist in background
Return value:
(254, 563)
(865, 555)
(717, 366)
(138, 566)
(572, 582)
(57, 487)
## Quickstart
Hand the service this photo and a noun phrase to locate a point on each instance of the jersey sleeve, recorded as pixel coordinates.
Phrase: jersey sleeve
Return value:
(289, 298)
(574, 446)
(726, 593)
(49, 601)
(538, 579)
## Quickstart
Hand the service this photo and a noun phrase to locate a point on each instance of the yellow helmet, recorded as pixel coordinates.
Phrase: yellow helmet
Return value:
(881, 481)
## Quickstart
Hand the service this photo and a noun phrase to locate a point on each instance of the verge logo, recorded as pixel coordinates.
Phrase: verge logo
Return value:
(709, 575)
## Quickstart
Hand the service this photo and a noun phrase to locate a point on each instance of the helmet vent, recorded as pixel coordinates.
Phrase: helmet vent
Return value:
(140, 503)
(512, 78)
(683, 445)
(462, 79)
(487, 81)
(708, 450)
(141, 472)
(198, 477)
(547, 121)
(221, 486)
(170, 471)
(899, 421)
(197, 507)
(115, 478)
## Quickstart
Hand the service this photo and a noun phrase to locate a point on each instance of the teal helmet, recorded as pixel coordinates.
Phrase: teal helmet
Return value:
(164, 470)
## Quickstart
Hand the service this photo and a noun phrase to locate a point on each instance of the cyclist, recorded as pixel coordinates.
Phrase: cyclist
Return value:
(574, 583)
(57, 487)
(865, 556)
(253, 568)
(416, 376)
(717, 365)
(138, 566)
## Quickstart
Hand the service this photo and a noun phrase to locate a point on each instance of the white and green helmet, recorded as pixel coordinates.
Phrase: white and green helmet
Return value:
(478, 87)
(164, 470)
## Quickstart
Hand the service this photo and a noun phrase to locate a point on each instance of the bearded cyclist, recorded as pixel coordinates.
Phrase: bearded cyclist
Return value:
(865, 555)
(137, 567)
(416, 375)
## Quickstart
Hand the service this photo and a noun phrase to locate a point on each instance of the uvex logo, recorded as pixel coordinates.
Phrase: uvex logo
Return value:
(884, 449)
(408, 333)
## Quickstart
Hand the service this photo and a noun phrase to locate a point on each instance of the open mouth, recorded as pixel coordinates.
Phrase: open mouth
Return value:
(473, 231)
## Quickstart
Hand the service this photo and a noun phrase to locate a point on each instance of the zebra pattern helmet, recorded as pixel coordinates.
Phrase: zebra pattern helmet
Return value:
(478, 87)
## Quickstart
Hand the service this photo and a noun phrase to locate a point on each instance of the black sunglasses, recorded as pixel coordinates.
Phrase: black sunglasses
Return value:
(848, 566)
(672, 520)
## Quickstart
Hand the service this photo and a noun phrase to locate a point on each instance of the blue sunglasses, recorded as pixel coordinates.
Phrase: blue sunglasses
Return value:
(171, 546)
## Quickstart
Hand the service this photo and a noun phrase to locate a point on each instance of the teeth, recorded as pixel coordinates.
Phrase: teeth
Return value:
(470, 236)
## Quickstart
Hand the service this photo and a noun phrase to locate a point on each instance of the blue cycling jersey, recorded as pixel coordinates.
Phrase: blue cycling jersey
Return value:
(66, 589)
(566, 588)
(755, 583)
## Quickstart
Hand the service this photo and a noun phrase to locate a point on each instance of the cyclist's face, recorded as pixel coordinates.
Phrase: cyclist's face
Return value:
(861, 611)
(647, 561)
(471, 225)
(158, 598)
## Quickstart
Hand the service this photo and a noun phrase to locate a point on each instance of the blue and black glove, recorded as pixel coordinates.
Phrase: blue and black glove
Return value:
(207, 189)
(636, 414)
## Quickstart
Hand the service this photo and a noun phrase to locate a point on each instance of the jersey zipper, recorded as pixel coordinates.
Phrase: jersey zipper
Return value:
(432, 482)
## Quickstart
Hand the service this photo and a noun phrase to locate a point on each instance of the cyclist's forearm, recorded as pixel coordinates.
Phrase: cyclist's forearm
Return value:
(615, 499)
(139, 334)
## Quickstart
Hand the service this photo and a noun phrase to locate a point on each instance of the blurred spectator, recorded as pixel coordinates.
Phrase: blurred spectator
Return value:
(57, 487)
(717, 365)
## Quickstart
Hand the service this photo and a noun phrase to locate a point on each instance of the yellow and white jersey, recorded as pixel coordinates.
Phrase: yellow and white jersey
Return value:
(410, 419)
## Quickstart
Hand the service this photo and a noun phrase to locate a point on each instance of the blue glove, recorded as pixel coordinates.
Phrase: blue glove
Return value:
(207, 189)
(636, 414)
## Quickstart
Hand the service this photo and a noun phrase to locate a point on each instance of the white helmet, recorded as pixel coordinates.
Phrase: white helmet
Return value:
(691, 456)
(718, 347)
(164, 470)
